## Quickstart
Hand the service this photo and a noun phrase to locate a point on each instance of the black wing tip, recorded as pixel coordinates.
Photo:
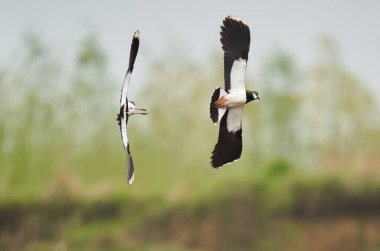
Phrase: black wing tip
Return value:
(235, 38)
(234, 22)
(230, 18)
(221, 158)
(229, 146)
(217, 165)
(134, 49)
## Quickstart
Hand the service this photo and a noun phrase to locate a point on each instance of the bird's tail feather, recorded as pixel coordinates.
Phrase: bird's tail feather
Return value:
(216, 113)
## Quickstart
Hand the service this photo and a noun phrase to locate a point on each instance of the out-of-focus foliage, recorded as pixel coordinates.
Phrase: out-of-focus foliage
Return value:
(341, 112)
(48, 119)
(310, 148)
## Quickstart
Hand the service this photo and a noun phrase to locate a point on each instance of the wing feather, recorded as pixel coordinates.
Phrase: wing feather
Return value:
(130, 168)
(235, 39)
(123, 129)
(230, 142)
(132, 57)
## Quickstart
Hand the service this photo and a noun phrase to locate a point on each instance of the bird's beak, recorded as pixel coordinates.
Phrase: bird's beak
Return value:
(258, 97)
(141, 111)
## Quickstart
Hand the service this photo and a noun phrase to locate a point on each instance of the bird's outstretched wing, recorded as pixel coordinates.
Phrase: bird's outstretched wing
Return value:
(132, 57)
(230, 143)
(235, 39)
(124, 137)
(122, 117)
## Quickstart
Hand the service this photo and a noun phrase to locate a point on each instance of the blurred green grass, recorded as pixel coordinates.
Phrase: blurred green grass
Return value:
(308, 157)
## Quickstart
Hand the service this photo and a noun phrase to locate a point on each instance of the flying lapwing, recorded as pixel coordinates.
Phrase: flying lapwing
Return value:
(227, 105)
(127, 108)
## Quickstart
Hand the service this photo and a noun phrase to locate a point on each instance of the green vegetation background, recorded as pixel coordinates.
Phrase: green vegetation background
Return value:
(308, 178)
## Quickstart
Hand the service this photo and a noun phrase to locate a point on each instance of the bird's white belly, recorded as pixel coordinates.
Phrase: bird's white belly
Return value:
(236, 98)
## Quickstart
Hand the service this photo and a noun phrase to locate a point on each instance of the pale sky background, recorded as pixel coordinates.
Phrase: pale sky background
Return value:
(293, 25)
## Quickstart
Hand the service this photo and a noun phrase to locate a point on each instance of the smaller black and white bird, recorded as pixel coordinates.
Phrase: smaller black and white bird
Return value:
(127, 108)
(227, 105)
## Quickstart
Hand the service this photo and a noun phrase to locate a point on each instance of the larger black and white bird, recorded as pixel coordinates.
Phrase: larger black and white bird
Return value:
(127, 108)
(227, 105)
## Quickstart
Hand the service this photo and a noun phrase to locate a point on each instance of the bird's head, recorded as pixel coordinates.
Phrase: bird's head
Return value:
(133, 110)
(131, 106)
(252, 95)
